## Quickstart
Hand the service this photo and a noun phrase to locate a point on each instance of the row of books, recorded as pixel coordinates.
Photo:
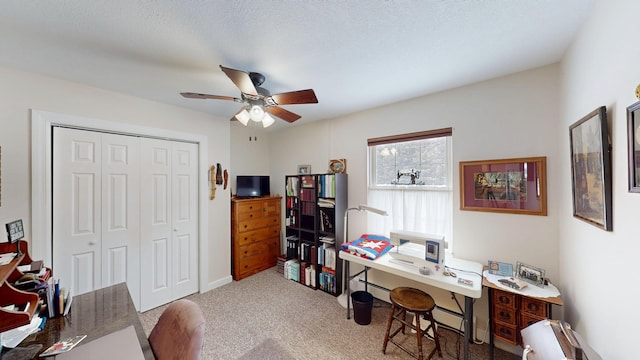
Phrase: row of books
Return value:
(300, 271)
(58, 298)
(327, 185)
(324, 254)
(327, 280)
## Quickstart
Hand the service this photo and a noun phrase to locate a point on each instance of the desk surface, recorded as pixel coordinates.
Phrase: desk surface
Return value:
(556, 300)
(463, 268)
(96, 314)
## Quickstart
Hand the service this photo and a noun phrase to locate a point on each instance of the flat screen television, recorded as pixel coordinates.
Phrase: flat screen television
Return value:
(252, 186)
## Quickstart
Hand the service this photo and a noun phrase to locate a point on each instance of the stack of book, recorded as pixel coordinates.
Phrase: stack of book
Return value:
(281, 259)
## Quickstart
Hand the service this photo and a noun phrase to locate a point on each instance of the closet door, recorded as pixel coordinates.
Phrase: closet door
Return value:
(168, 221)
(121, 213)
(96, 210)
(77, 184)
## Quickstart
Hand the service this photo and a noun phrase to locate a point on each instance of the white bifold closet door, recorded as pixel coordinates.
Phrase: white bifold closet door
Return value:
(169, 221)
(111, 217)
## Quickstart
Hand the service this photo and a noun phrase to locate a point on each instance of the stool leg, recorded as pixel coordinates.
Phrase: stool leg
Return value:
(419, 332)
(432, 325)
(404, 319)
(386, 335)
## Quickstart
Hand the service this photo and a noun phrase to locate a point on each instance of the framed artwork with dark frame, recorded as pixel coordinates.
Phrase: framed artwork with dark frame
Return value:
(591, 169)
(517, 185)
(633, 141)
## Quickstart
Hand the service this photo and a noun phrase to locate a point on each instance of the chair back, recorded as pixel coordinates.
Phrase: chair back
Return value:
(179, 332)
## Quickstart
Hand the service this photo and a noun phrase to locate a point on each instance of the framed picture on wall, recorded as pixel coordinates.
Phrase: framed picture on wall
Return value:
(517, 186)
(591, 169)
(633, 141)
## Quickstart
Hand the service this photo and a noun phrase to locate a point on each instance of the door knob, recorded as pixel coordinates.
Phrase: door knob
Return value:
(92, 243)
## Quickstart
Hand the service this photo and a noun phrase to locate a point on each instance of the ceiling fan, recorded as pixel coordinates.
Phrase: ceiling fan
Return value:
(260, 102)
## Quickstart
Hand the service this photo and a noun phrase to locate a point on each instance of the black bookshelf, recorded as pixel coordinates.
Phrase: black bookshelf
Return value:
(314, 223)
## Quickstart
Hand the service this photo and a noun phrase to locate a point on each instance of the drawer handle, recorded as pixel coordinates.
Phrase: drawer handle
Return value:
(245, 226)
(250, 215)
(503, 299)
(533, 307)
(246, 252)
(505, 315)
(505, 332)
(246, 238)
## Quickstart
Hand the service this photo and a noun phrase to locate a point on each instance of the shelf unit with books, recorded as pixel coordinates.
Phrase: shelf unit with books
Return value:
(315, 204)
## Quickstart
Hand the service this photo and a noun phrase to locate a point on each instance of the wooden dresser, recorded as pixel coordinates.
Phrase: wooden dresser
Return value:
(255, 235)
(511, 312)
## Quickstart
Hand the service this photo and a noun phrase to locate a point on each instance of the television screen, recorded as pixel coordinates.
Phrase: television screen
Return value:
(252, 186)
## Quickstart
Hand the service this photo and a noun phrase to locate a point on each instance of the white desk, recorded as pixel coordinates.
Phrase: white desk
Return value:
(463, 269)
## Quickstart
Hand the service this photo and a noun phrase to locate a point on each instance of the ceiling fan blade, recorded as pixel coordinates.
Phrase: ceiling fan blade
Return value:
(207, 96)
(293, 97)
(241, 79)
(283, 114)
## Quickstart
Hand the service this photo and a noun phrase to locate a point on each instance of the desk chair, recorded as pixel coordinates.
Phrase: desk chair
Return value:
(179, 332)
(405, 299)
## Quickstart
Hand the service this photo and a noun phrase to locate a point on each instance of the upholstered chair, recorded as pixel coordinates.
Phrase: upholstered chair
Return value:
(179, 333)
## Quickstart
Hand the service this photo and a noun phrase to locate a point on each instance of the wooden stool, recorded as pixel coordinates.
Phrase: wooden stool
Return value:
(405, 299)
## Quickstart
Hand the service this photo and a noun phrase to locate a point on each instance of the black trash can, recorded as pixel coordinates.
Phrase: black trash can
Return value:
(362, 306)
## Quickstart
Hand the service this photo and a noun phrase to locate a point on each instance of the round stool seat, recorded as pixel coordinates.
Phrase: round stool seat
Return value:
(412, 300)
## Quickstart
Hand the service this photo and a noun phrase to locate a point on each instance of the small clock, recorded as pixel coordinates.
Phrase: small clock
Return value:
(338, 165)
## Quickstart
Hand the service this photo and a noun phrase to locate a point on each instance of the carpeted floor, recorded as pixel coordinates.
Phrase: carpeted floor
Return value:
(268, 317)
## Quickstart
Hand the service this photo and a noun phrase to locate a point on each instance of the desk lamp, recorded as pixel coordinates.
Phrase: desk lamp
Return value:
(342, 298)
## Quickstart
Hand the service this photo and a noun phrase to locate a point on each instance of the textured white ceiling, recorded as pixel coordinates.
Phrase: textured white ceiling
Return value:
(355, 54)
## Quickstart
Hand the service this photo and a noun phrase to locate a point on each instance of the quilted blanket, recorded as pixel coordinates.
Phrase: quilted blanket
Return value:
(368, 246)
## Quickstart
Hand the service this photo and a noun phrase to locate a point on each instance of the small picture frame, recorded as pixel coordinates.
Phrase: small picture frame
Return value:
(15, 230)
(304, 169)
(500, 268)
(531, 274)
(633, 143)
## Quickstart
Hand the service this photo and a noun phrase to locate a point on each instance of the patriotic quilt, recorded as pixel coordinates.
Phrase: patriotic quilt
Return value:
(368, 246)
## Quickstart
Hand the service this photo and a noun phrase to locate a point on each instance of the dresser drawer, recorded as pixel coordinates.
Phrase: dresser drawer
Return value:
(505, 332)
(249, 215)
(528, 319)
(248, 237)
(245, 207)
(252, 265)
(249, 225)
(263, 247)
(505, 299)
(505, 314)
(534, 307)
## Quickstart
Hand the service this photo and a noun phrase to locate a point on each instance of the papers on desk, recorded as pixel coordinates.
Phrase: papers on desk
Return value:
(6, 258)
(11, 338)
(540, 292)
(122, 344)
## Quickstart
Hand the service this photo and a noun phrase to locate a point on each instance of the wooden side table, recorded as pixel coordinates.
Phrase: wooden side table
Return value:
(511, 311)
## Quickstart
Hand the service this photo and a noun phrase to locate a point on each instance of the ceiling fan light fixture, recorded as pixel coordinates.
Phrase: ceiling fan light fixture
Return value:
(257, 113)
(267, 120)
(243, 116)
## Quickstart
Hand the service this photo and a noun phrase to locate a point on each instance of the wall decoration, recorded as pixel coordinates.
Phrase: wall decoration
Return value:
(304, 169)
(517, 186)
(531, 274)
(591, 169)
(633, 141)
(338, 166)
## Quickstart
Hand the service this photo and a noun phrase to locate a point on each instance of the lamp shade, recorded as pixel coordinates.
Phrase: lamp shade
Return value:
(267, 120)
(243, 116)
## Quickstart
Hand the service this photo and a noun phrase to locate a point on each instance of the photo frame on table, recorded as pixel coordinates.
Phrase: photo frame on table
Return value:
(591, 169)
(517, 185)
(304, 169)
(633, 141)
(531, 274)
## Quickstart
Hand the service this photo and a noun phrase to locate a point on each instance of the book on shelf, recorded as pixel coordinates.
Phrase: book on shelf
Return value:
(292, 186)
(326, 203)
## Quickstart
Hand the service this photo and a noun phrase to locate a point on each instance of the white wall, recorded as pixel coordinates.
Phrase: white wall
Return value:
(598, 267)
(509, 117)
(22, 92)
(249, 153)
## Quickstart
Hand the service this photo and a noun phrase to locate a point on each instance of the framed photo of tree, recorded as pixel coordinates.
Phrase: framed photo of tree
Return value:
(591, 169)
(633, 141)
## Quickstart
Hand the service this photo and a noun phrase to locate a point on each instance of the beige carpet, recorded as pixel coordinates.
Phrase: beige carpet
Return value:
(268, 317)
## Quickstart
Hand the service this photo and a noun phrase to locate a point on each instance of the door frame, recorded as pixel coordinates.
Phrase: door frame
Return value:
(42, 123)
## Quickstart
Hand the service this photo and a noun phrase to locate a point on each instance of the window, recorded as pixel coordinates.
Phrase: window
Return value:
(410, 176)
